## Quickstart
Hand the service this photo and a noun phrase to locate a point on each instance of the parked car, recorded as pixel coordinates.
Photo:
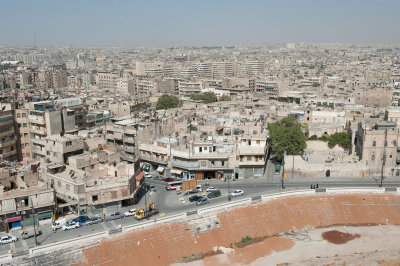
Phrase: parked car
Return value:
(59, 224)
(152, 188)
(168, 179)
(202, 201)
(7, 239)
(131, 212)
(80, 219)
(209, 189)
(192, 191)
(147, 175)
(113, 216)
(199, 188)
(93, 220)
(237, 192)
(71, 225)
(195, 198)
(214, 194)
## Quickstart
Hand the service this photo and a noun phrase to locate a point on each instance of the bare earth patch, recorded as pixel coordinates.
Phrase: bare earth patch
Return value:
(337, 237)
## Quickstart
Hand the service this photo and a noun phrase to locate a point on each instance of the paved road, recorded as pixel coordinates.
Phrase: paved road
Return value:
(168, 202)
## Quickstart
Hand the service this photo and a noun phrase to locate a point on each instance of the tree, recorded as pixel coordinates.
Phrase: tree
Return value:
(343, 139)
(286, 135)
(207, 97)
(167, 101)
(225, 98)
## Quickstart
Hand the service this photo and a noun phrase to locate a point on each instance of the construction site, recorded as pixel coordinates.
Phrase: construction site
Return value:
(318, 229)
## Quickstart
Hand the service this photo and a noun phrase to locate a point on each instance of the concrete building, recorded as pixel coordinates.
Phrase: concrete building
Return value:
(59, 149)
(8, 133)
(188, 88)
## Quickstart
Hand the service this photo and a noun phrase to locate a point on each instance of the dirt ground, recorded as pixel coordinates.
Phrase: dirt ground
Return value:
(166, 244)
(377, 245)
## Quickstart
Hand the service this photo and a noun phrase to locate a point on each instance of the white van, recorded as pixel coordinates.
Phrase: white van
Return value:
(59, 224)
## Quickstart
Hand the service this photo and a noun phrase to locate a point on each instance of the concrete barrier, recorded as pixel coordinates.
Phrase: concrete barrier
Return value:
(255, 199)
(225, 206)
(343, 190)
(194, 212)
(287, 194)
(68, 243)
(390, 189)
(152, 222)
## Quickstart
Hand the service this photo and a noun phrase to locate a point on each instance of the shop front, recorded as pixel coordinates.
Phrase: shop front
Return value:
(14, 223)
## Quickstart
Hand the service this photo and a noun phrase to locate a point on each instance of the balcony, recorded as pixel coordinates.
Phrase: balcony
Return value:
(129, 148)
(38, 130)
(128, 157)
(154, 159)
(36, 119)
(7, 142)
(182, 164)
(129, 140)
(9, 132)
(6, 154)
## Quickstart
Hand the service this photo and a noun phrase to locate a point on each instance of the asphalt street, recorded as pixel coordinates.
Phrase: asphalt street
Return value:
(169, 202)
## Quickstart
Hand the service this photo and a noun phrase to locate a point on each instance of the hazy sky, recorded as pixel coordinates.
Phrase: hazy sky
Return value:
(200, 22)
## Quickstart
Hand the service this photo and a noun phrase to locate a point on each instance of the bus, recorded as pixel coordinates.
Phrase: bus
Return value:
(174, 185)
(277, 168)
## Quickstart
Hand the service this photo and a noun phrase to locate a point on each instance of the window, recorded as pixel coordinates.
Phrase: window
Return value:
(203, 163)
(200, 149)
(373, 157)
(258, 142)
(59, 183)
(205, 148)
(67, 186)
(214, 148)
(95, 198)
(68, 143)
(249, 142)
(374, 143)
(390, 156)
(18, 115)
(223, 163)
(25, 125)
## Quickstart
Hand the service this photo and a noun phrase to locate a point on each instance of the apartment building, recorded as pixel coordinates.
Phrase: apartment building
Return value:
(23, 135)
(8, 133)
(93, 187)
(122, 135)
(108, 80)
(46, 120)
(20, 191)
(60, 148)
(378, 145)
(251, 152)
(187, 88)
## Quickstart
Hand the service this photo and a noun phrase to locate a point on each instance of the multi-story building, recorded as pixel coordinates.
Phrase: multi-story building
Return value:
(108, 80)
(23, 140)
(8, 133)
(46, 120)
(187, 88)
(60, 148)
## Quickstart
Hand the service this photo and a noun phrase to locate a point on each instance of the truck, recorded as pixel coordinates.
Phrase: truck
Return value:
(146, 211)
(30, 232)
(59, 224)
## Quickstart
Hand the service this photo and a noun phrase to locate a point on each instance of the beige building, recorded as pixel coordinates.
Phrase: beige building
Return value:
(8, 133)
(59, 149)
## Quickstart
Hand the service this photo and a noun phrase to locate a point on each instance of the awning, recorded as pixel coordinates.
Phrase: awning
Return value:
(219, 128)
(160, 169)
(176, 171)
(14, 219)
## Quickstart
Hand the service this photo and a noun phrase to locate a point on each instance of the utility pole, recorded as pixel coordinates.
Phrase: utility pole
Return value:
(34, 222)
(229, 191)
(283, 170)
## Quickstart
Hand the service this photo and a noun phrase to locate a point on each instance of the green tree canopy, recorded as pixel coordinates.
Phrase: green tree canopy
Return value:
(167, 101)
(342, 139)
(207, 97)
(224, 98)
(286, 135)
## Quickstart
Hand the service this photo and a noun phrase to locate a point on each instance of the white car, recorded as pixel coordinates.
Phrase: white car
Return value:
(237, 192)
(209, 189)
(71, 225)
(7, 239)
(131, 212)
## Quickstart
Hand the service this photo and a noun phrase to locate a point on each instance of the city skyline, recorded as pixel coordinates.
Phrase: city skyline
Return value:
(206, 23)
